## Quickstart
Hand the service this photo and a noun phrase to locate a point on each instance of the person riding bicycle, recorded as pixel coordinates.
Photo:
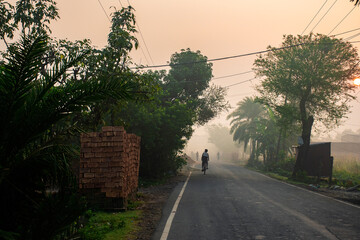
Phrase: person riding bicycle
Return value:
(205, 160)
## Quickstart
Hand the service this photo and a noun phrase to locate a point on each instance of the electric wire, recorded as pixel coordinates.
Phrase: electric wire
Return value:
(232, 75)
(351, 37)
(314, 17)
(104, 11)
(324, 16)
(342, 20)
(146, 59)
(143, 39)
(346, 32)
(248, 54)
(220, 59)
(234, 84)
(239, 95)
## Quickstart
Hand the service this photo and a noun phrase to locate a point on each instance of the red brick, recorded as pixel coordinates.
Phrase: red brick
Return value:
(89, 155)
(115, 164)
(108, 134)
(85, 139)
(96, 140)
(87, 180)
(98, 185)
(84, 170)
(107, 129)
(88, 185)
(85, 150)
(89, 175)
(105, 169)
(93, 165)
(100, 175)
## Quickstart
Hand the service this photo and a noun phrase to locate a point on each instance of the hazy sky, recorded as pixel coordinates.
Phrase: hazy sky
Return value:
(217, 28)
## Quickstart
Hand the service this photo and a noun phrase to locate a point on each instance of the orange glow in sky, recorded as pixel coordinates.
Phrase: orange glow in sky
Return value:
(357, 81)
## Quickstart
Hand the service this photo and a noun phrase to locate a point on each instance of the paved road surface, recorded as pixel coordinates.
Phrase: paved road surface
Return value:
(231, 202)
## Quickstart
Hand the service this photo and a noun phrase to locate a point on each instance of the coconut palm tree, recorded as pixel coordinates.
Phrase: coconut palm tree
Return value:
(245, 119)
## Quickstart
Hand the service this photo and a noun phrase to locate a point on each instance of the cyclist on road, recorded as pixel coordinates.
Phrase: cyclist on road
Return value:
(205, 159)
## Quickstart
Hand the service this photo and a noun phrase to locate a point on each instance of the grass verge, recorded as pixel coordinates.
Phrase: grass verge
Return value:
(111, 226)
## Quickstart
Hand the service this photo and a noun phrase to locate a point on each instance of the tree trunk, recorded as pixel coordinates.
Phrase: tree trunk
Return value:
(278, 146)
(307, 122)
(252, 152)
(303, 149)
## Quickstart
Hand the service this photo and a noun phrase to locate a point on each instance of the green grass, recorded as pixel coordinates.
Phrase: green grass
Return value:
(111, 226)
(346, 171)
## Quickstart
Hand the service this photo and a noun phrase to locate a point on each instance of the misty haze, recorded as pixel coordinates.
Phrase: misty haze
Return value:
(175, 120)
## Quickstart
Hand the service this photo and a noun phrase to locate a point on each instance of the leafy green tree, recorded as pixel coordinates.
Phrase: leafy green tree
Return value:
(111, 61)
(165, 123)
(310, 82)
(163, 126)
(189, 75)
(188, 81)
(31, 17)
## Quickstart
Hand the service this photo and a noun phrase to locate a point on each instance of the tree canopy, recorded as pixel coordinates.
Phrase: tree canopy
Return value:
(184, 98)
(310, 81)
(47, 88)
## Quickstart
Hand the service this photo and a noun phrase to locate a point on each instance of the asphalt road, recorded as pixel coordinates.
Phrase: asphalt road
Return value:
(231, 202)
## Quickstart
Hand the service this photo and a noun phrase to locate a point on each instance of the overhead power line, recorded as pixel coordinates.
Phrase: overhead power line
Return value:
(222, 58)
(104, 11)
(346, 32)
(232, 75)
(324, 16)
(341, 20)
(314, 17)
(143, 39)
(351, 37)
(231, 85)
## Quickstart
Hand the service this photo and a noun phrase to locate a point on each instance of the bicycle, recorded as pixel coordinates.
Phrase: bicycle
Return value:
(205, 166)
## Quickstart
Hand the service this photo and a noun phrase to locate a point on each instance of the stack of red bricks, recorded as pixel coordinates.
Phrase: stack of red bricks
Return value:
(109, 162)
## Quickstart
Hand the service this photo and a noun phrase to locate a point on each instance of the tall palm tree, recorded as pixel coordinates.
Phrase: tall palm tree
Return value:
(244, 123)
(33, 150)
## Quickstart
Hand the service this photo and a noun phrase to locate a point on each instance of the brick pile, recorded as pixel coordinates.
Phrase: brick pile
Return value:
(109, 162)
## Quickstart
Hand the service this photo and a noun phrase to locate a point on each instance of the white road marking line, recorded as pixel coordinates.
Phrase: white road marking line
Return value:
(173, 211)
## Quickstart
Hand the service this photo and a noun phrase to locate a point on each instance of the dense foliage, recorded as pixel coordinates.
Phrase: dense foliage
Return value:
(255, 124)
(184, 98)
(51, 90)
(308, 81)
(46, 90)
